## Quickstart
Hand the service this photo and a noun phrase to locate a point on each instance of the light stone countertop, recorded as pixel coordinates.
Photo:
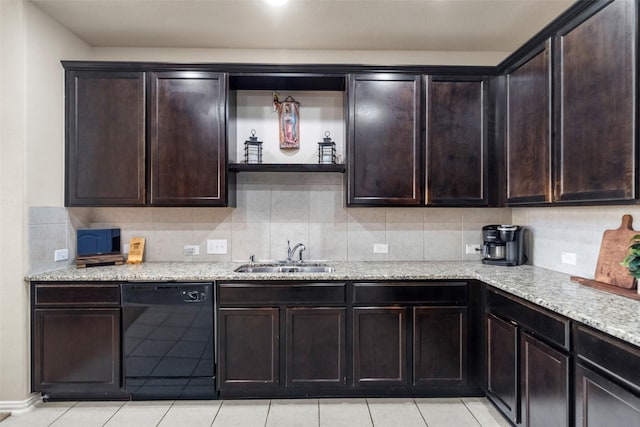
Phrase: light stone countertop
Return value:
(615, 315)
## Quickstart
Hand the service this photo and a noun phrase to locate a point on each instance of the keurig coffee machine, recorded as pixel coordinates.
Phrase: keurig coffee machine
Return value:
(503, 245)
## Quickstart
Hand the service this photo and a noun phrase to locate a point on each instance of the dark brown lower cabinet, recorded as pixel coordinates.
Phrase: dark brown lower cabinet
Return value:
(249, 348)
(315, 346)
(502, 366)
(528, 362)
(76, 340)
(379, 349)
(281, 339)
(545, 384)
(600, 402)
(439, 346)
(76, 352)
(607, 380)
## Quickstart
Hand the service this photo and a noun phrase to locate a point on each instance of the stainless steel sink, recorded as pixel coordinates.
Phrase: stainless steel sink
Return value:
(284, 269)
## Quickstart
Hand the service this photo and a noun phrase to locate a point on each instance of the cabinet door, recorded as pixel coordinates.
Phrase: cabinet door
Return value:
(315, 347)
(600, 402)
(249, 348)
(502, 366)
(529, 130)
(439, 345)
(384, 140)
(544, 384)
(456, 141)
(105, 138)
(76, 352)
(379, 346)
(595, 101)
(187, 138)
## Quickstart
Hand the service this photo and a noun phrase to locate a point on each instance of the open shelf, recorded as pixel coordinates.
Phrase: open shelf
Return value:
(286, 167)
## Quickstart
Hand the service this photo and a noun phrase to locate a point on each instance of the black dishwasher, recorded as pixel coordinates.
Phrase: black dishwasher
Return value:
(168, 340)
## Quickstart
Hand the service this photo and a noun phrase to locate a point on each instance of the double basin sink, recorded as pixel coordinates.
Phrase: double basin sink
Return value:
(284, 268)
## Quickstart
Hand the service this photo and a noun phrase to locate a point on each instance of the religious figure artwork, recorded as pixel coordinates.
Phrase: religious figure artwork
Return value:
(289, 121)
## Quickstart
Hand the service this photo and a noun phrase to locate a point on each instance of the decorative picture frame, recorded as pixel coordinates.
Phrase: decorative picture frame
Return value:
(288, 121)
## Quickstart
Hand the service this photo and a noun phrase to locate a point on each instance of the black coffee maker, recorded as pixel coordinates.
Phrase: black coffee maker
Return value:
(503, 245)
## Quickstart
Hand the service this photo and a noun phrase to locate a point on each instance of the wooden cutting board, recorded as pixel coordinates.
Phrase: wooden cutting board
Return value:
(613, 250)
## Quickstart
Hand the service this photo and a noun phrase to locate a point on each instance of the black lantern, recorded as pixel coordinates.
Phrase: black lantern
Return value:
(253, 149)
(326, 150)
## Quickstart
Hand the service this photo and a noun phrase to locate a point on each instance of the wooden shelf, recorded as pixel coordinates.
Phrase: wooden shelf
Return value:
(286, 167)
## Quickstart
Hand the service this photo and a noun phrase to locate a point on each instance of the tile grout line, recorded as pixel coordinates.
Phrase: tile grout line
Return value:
(166, 412)
(471, 412)
(63, 414)
(369, 410)
(267, 417)
(420, 412)
(114, 414)
(217, 412)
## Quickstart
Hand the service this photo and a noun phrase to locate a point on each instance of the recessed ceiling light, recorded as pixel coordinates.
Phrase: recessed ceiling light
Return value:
(276, 2)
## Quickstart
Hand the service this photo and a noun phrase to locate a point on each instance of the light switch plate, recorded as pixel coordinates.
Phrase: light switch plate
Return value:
(217, 247)
(380, 248)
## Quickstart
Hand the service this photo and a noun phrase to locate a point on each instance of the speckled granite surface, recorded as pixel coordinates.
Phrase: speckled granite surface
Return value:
(609, 313)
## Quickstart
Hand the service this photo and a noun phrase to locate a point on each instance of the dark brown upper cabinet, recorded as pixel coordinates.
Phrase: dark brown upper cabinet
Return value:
(595, 106)
(187, 134)
(528, 142)
(383, 140)
(105, 138)
(457, 141)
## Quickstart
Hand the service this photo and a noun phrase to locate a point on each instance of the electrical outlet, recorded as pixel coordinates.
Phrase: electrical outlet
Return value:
(191, 250)
(217, 247)
(568, 258)
(61, 255)
(380, 248)
(472, 249)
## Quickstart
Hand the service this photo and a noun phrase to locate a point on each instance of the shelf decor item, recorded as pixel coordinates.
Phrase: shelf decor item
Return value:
(253, 149)
(288, 121)
(326, 150)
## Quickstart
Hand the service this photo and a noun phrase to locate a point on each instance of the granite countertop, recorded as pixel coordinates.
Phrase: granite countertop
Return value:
(615, 315)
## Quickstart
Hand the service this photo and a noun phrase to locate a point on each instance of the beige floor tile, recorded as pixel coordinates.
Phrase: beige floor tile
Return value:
(293, 413)
(42, 415)
(191, 413)
(395, 413)
(446, 413)
(485, 412)
(242, 413)
(87, 414)
(140, 414)
(344, 413)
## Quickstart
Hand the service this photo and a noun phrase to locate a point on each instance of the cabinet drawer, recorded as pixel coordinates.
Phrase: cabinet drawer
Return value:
(281, 293)
(77, 294)
(410, 293)
(607, 353)
(538, 321)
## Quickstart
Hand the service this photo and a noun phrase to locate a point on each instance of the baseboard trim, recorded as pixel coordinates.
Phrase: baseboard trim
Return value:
(21, 406)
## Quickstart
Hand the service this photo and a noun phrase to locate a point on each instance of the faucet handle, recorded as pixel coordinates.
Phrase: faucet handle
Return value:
(252, 259)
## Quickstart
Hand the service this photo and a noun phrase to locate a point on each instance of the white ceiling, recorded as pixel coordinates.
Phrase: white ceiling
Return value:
(421, 25)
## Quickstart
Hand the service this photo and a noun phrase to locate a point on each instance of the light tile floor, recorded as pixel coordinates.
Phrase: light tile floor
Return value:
(265, 413)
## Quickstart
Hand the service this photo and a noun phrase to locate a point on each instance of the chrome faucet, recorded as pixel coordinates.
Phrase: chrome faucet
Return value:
(291, 251)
